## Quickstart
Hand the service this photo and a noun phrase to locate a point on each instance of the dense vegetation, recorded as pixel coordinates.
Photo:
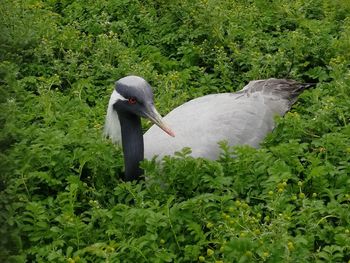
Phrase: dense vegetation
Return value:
(61, 196)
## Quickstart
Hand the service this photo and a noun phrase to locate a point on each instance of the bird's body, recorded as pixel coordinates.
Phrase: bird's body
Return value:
(241, 118)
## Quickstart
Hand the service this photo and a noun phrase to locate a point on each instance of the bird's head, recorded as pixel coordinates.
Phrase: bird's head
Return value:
(134, 95)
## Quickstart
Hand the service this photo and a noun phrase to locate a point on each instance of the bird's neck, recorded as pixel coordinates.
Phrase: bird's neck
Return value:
(132, 141)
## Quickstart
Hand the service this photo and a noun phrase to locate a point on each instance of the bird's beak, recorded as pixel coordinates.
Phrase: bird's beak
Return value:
(155, 117)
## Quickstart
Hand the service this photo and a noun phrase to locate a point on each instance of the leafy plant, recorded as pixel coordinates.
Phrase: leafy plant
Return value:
(61, 196)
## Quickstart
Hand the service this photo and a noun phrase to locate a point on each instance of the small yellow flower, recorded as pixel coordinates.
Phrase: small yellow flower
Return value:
(290, 246)
(201, 259)
(210, 225)
(249, 253)
(225, 216)
(245, 205)
(210, 252)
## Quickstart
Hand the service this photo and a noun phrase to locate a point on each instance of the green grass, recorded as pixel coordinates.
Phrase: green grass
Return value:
(61, 196)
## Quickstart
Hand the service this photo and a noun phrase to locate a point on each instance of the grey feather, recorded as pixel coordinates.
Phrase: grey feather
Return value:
(241, 118)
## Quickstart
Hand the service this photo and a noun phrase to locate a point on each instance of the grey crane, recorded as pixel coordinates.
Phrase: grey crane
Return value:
(241, 118)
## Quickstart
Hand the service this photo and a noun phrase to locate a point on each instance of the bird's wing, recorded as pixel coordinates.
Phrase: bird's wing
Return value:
(239, 118)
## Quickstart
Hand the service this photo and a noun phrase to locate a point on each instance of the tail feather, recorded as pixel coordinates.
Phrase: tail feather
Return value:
(281, 88)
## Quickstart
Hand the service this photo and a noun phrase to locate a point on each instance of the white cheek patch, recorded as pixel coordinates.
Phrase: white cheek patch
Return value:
(112, 124)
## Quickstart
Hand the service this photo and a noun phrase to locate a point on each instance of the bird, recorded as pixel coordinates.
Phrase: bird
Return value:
(244, 117)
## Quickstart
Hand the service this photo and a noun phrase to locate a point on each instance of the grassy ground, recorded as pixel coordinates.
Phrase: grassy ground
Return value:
(61, 197)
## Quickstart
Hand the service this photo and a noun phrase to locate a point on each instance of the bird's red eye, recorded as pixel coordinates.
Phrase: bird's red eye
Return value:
(132, 100)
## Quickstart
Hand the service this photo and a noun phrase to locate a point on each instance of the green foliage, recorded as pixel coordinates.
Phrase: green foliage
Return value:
(61, 197)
